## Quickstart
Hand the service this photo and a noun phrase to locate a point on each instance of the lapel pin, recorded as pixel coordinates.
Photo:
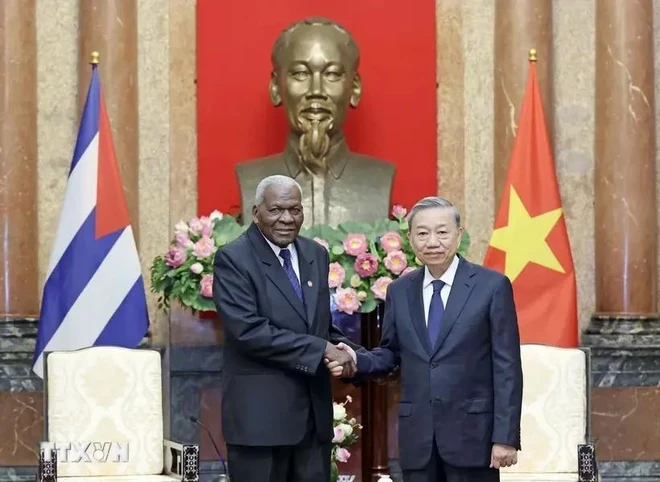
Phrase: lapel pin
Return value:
(309, 283)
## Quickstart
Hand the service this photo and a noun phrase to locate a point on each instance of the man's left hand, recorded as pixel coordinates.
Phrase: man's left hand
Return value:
(503, 456)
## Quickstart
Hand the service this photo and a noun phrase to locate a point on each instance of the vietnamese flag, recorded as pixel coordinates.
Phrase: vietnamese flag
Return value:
(530, 242)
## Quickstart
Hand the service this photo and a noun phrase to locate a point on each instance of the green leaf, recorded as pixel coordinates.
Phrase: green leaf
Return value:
(337, 250)
(369, 304)
(206, 304)
(383, 226)
(354, 227)
(325, 232)
(189, 297)
(465, 244)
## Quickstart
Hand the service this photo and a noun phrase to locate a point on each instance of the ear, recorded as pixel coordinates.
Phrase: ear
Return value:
(254, 214)
(274, 90)
(356, 95)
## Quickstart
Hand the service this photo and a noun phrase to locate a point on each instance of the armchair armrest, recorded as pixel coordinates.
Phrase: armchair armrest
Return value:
(587, 464)
(180, 460)
(47, 470)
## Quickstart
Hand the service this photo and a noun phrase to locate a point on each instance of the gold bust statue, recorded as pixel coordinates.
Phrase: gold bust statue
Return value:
(315, 77)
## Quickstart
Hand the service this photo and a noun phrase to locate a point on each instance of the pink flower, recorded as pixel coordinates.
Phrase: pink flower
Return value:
(340, 435)
(366, 264)
(206, 286)
(399, 211)
(207, 225)
(197, 268)
(347, 300)
(204, 248)
(195, 226)
(396, 262)
(183, 240)
(409, 269)
(203, 226)
(175, 257)
(343, 454)
(323, 243)
(379, 288)
(355, 244)
(336, 275)
(391, 241)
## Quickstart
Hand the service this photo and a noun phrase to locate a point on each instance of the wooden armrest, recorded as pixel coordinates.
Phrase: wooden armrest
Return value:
(587, 464)
(181, 460)
(47, 470)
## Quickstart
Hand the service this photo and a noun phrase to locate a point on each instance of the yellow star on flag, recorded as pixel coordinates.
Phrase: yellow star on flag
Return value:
(523, 239)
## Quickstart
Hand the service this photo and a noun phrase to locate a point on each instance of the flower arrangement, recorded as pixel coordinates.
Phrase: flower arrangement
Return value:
(185, 272)
(345, 435)
(364, 259)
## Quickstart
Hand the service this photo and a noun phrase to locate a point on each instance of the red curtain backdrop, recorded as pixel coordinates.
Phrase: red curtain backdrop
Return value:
(396, 119)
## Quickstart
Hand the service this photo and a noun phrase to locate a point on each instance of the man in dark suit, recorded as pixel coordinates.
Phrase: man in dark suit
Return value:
(271, 290)
(451, 327)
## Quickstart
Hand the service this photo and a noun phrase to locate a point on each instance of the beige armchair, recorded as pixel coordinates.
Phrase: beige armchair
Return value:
(104, 420)
(555, 417)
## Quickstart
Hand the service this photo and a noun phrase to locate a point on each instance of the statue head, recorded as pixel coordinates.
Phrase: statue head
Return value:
(315, 77)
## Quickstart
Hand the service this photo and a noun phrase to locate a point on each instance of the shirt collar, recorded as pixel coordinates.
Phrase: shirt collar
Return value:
(447, 277)
(276, 249)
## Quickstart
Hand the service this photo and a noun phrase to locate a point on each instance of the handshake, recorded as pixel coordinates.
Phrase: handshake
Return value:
(340, 360)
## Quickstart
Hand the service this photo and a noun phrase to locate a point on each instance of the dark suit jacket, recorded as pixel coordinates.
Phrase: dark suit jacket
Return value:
(467, 389)
(274, 377)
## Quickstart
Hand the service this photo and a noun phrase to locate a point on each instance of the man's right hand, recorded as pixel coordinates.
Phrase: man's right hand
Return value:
(339, 360)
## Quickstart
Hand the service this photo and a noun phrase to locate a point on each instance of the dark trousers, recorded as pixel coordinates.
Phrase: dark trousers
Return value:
(308, 461)
(439, 471)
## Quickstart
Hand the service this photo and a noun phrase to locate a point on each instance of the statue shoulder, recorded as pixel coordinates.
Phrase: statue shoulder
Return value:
(261, 167)
(371, 163)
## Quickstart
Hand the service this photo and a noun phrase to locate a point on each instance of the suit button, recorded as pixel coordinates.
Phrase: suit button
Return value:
(434, 365)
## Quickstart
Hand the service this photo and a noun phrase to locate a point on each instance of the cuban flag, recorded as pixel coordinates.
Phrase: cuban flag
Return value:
(94, 293)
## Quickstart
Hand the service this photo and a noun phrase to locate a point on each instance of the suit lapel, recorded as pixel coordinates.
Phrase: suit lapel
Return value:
(274, 270)
(458, 296)
(309, 280)
(417, 308)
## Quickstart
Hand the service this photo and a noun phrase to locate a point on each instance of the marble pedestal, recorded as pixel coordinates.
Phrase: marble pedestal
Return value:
(625, 397)
(21, 401)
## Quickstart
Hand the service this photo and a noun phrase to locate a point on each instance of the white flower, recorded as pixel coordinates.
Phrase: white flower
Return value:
(197, 268)
(216, 215)
(347, 429)
(181, 227)
(338, 412)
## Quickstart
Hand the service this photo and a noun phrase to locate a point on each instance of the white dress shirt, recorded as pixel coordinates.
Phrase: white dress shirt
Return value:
(427, 286)
(294, 255)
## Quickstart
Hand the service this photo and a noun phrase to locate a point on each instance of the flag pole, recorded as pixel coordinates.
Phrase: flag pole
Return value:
(532, 55)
